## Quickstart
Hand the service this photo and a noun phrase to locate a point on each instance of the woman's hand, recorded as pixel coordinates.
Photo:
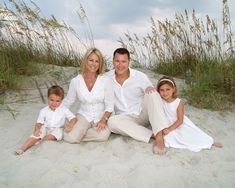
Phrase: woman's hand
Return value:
(101, 124)
(68, 128)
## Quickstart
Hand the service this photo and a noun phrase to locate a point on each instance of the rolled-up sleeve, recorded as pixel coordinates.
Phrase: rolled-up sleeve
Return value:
(146, 82)
(69, 115)
(109, 95)
(71, 95)
(41, 116)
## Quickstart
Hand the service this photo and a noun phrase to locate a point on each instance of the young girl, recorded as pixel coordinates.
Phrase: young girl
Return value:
(182, 132)
(51, 120)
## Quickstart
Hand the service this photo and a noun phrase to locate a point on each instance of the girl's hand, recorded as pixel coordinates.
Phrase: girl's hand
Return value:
(101, 125)
(36, 132)
(165, 131)
(150, 89)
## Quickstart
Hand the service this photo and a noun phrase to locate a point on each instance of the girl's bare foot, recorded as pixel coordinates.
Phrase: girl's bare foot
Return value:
(159, 149)
(217, 144)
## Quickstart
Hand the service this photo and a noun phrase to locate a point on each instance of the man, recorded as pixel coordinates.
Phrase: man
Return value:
(135, 110)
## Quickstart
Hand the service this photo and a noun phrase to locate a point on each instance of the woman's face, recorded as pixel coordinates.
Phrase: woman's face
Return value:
(93, 63)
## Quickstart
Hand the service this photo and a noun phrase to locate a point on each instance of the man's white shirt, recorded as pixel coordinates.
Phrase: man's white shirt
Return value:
(128, 97)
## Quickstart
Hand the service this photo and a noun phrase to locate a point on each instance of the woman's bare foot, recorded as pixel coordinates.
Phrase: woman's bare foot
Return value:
(217, 144)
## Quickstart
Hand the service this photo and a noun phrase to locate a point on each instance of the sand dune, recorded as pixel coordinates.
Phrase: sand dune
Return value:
(120, 162)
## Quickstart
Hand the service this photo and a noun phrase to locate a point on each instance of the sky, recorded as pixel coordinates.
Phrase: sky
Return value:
(110, 19)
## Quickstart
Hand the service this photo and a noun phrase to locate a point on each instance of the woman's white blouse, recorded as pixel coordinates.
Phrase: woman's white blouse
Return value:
(92, 104)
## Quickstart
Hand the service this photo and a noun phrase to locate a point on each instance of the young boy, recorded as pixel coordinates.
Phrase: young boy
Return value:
(51, 120)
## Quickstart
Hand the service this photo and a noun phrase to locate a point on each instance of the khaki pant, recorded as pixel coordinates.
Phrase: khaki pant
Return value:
(136, 126)
(84, 131)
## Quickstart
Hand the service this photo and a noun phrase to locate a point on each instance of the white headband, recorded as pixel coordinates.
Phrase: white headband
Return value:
(168, 80)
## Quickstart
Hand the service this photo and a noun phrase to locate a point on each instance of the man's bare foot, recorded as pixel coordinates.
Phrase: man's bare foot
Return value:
(217, 144)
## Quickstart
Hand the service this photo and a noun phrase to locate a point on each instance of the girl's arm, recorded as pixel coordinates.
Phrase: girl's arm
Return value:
(179, 121)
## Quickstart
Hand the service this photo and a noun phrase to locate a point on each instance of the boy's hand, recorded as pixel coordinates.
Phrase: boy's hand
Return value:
(36, 133)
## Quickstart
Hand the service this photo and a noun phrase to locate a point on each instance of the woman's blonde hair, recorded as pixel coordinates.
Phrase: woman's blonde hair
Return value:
(97, 52)
(169, 81)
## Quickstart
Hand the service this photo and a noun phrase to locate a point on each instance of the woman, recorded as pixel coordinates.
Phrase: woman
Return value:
(95, 94)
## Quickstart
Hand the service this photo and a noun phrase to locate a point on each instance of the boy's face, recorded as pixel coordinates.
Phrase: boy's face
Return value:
(54, 101)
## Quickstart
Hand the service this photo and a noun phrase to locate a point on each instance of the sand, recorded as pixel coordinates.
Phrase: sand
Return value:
(119, 162)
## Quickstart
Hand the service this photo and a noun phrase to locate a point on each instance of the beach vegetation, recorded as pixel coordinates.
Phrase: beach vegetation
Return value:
(198, 50)
(27, 39)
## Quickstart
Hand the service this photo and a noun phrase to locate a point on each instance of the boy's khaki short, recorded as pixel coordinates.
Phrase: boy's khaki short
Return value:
(56, 132)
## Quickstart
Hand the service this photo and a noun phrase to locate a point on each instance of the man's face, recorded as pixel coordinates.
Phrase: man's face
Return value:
(121, 63)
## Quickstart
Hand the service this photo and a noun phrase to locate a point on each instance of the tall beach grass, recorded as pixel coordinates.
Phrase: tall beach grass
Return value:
(27, 38)
(192, 48)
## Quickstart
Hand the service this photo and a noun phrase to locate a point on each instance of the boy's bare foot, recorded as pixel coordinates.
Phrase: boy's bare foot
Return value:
(217, 144)
(19, 152)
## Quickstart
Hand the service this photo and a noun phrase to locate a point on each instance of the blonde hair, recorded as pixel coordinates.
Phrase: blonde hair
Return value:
(97, 52)
(170, 82)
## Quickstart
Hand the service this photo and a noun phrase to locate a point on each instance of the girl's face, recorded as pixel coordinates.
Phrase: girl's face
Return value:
(93, 63)
(54, 101)
(166, 92)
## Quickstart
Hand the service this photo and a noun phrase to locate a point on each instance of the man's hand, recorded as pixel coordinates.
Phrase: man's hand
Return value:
(150, 89)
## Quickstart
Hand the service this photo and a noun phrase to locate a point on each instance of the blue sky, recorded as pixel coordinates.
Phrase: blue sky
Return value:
(109, 20)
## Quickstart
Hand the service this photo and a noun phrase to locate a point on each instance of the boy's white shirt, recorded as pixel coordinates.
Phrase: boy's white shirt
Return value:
(54, 119)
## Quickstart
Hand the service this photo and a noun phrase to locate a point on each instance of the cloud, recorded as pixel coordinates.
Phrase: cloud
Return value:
(111, 19)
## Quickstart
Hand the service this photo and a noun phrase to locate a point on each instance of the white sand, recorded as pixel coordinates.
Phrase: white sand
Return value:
(120, 162)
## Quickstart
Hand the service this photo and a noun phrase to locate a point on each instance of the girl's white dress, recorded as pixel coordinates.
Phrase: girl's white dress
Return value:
(187, 135)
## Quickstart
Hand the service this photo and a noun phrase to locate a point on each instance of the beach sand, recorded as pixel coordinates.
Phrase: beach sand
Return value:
(120, 162)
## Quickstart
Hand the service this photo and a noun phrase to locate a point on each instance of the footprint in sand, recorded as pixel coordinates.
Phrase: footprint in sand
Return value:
(194, 160)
